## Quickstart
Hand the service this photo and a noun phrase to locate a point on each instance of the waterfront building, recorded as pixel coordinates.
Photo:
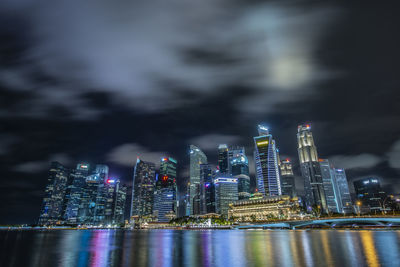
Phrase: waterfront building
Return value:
(370, 194)
(77, 194)
(343, 193)
(328, 181)
(266, 163)
(260, 208)
(223, 159)
(165, 198)
(233, 152)
(226, 192)
(207, 189)
(314, 194)
(53, 201)
(197, 157)
(288, 186)
(143, 188)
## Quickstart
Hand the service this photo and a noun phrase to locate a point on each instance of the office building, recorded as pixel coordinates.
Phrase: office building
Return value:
(266, 163)
(207, 189)
(343, 196)
(143, 189)
(226, 192)
(328, 181)
(53, 201)
(165, 198)
(288, 186)
(223, 159)
(197, 157)
(370, 194)
(314, 194)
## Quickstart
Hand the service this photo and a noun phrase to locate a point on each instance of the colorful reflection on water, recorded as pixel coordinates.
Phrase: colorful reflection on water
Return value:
(166, 248)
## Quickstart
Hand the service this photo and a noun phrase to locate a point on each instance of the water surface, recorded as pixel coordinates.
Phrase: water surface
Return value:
(199, 248)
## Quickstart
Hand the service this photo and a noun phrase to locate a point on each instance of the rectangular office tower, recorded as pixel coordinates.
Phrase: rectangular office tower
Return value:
(53, 202)
(328, 180)
(343, 193)
(226, 192)
(197, 157)
(288, 186)
(143, 189)
(207, 189)
(370, 194)
(165, 197)
(266, 161)
(314, 194)
(223, 159)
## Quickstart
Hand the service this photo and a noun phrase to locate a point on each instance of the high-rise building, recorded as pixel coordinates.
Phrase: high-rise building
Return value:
(266, 162)
(207, 189)
(342, 191)
(77, 194)
(288, 186)
(240, 170)
(197, 157)
(143, 188)
(328, 181)
(226, 192)
(232, 152)
(119, 204)
(223, 159)
(314, 194)
(165, 197)
(370, 193)
(53, 201)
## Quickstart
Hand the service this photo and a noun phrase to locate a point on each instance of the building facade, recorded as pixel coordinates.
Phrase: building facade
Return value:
(343, 196)
(328, 181)
(288, 186)
(314, 194)
(226, 192)
(197, 157)
(266, 163)
(143, 188)
(370, 194)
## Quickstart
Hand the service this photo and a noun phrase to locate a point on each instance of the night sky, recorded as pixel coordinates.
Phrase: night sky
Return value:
(105, 81)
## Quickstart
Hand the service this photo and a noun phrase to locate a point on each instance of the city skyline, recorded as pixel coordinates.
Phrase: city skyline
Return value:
(73, 91)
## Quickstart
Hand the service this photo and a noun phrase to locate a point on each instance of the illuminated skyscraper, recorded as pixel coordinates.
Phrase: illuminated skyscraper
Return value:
(342, 191)
(143, 188)
(239, 166)
(330, 189)
(165, 197)
(266, 161)
(207, 189)
(197, 157)
(314, 194)
(223, 159)
(232, 151)
(226, 192)
(288, 185)
(77, 194)
(53, 201)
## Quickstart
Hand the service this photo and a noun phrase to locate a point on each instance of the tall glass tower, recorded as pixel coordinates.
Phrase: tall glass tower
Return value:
(314, 194)
(239, 166)
(165, 197)
(197, 157)
(328, 180)
(266, 161)
(223, 159)
(143, 188)
(53, 202)
(288, 185)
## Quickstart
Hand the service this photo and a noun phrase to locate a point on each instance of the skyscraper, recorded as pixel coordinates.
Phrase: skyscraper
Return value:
(328, 181)
(232, 151)
(53, 201)
(239, 167)
(143, 188)
(288, 185)
(207, 189)
(165, 198)
(370, 193)
(197, 157)
(314, 194)
(226, 192)
(266, 161)
(223, 159)
(342, 192)
(77, 194)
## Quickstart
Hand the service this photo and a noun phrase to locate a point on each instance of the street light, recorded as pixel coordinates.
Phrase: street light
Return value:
(358, 203)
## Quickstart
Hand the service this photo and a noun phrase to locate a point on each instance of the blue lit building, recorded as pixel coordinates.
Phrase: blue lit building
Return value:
(207, 189)
(330, 188)
(266, 163)
(197, 157)
(342, 191)
(226, 192)
(370, 193)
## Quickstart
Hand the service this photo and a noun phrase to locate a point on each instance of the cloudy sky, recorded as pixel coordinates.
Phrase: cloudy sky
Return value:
(105, 81)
